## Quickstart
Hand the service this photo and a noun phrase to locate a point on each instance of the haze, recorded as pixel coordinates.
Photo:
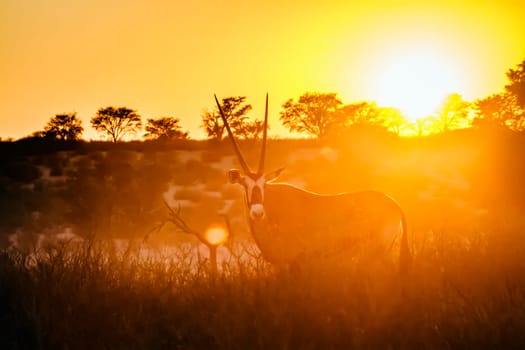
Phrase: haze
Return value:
(168, 58)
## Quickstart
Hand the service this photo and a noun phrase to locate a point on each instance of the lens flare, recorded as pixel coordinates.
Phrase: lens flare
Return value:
(216, 235)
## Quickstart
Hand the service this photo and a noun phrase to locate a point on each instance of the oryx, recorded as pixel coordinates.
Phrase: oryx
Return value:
(289, 223)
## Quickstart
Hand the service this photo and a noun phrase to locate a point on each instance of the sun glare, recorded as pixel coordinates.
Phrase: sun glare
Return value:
(216, 235)
(415, 82)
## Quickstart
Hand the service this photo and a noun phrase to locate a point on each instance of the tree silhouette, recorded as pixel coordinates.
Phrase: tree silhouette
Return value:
(235, 109)
(422, 126)
(212, 124)
(116, 122)
(367, 115)
(393, 119)
(64, 127)
(453, 113)
(516, 85)
(315, 113)
(165, 128)
(360, 114)
(249, 130)
(499, 110)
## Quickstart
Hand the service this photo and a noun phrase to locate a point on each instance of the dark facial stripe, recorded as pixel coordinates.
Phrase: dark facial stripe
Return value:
(256, 196)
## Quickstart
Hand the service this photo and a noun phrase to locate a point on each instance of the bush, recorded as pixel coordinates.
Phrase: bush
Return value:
(21, 171)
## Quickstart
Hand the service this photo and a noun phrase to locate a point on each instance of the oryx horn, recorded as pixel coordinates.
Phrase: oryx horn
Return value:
(243, 163)
(260, 170)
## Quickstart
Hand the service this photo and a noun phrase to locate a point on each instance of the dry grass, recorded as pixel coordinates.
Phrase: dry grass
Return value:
(462, 292)
(463, 194)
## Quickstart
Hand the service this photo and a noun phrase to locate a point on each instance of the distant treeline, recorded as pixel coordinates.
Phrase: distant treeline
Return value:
(314, 114)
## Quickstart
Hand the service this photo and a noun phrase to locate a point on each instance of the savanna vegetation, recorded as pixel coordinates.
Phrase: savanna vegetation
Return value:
(462, 192)
(90, 260)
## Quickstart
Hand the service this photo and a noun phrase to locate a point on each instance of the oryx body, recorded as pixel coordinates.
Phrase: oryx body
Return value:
(289, 223)
(302, 224)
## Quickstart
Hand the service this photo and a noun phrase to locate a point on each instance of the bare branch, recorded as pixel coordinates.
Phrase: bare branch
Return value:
(175, 218)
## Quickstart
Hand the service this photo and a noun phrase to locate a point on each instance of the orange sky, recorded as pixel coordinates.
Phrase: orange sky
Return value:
(168, 58)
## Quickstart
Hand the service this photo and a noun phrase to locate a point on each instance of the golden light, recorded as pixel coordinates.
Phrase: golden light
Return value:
(416, 82)
(216, 235)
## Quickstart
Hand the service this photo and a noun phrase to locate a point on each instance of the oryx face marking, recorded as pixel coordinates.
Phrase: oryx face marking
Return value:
(254, 190)
(254, 187)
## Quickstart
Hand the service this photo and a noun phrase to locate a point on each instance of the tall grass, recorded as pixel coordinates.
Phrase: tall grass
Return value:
(462, 292)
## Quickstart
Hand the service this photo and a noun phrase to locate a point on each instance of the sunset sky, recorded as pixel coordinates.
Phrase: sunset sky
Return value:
(168, 58)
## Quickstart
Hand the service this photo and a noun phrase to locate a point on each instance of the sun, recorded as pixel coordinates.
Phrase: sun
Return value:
(416, 82)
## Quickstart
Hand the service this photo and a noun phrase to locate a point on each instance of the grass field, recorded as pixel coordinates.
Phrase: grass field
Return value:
(462, 192)
(462, 292)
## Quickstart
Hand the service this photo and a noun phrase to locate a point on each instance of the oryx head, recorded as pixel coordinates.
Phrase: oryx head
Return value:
(253, 182)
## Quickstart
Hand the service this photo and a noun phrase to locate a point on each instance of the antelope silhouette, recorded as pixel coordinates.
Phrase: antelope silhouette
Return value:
(289, 223)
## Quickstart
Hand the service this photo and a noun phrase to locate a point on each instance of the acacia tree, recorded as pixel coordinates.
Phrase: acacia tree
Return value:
(250, 130)
(64, 127)
(315, 113)
(516, 85)
(506, 108)
(393, 119)
(235, 109)
(499, 110)
(423, 126)
(453, 113)
(360, 114)
(165, 128)
(116, 122)
(368, 115)
(212, 124)
(516, 90)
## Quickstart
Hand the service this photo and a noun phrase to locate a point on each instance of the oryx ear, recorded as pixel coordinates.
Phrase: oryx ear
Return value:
(272, 175)
(234, 176)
